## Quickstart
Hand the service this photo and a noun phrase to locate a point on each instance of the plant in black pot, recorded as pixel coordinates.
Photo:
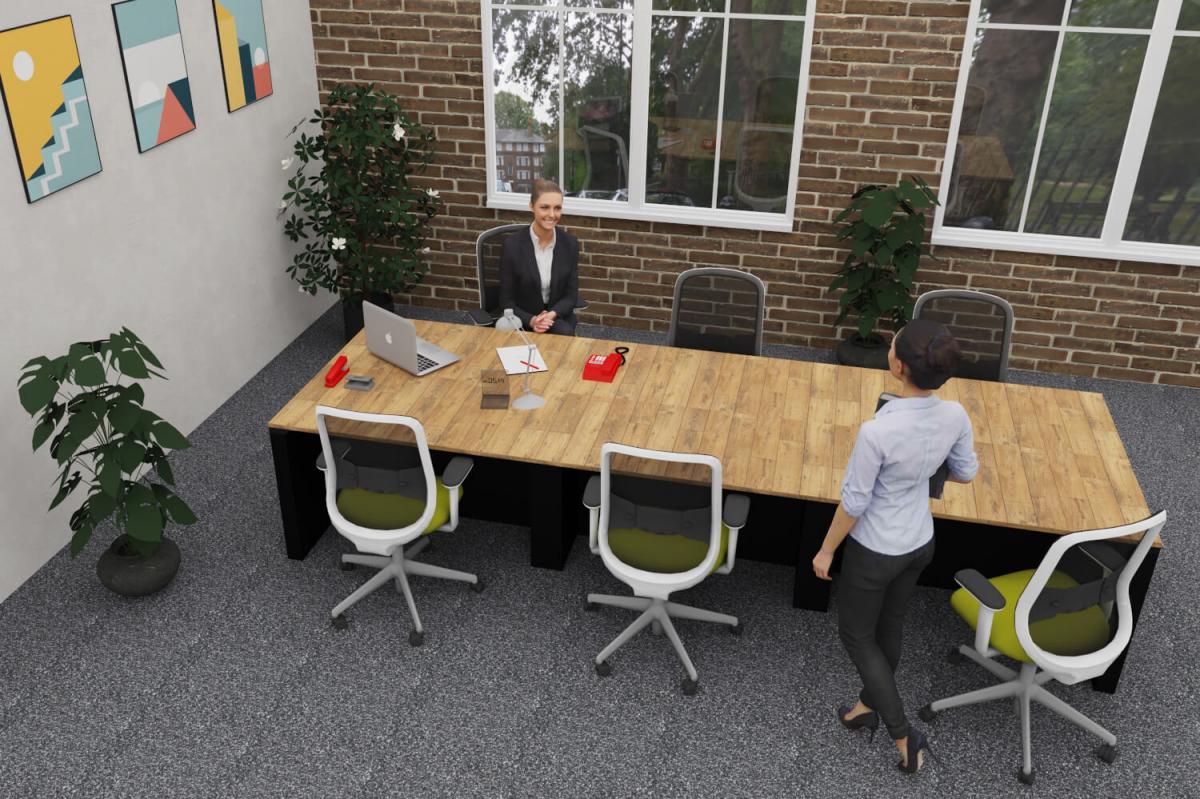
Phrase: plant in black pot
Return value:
(89, 407)
(885, 228)
(352, 204)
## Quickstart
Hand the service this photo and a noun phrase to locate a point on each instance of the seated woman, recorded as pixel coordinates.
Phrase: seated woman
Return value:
(539, 272)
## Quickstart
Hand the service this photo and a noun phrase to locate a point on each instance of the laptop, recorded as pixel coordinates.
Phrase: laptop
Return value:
(395, 339)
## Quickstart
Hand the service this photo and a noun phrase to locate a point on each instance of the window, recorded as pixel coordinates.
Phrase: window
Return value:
(522, 175)
(523, 160)
(1076, 130)
(672, 110)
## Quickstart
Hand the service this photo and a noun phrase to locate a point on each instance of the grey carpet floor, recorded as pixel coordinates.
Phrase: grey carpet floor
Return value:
(231, 682)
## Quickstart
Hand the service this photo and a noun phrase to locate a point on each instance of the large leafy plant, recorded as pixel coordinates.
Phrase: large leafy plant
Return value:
(885, 228)
(103, 438)
(351, 201)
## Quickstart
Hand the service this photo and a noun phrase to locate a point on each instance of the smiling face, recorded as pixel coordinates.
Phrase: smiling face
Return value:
(547, 210)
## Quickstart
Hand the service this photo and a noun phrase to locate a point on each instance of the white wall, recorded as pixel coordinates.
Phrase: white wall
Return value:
(179, 244)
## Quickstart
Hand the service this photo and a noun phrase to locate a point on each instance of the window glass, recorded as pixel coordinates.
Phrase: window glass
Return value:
(525, 94)
(1112, 13)
(1027, 12)
(1189, 16)
(1166, 202)
(689, 5)
(599, 57)
(792, 7)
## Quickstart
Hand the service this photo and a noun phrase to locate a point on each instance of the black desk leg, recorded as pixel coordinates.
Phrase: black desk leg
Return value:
(553, 519)
(1107, 682)
(811, 592)
(301, 490)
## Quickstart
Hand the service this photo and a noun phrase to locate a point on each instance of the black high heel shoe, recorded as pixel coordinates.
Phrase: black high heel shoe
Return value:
(868, 720)
(916, 743)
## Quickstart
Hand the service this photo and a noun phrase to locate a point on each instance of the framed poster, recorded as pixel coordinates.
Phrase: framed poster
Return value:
(155, 70)
(46, 100)
(245, 63)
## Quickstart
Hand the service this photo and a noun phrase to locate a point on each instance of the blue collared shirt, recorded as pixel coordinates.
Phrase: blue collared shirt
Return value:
(887, 479)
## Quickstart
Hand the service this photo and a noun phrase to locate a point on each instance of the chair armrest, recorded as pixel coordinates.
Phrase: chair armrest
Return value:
(340, 450)
(480, 317)
(737, 509)
(457, 471)
(591, 494)
(978, 586)
(1103, 554)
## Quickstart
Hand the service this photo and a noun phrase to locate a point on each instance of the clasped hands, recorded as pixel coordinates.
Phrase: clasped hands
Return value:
(543, 321)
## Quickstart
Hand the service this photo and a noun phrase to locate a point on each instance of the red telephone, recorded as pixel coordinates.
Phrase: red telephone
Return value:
(336, 372)
(603, 368)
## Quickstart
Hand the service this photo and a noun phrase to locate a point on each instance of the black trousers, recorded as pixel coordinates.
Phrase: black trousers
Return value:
(873, 594)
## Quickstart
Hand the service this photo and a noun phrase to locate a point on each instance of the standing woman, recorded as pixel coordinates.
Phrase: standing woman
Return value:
(885, 511)
(539, 272)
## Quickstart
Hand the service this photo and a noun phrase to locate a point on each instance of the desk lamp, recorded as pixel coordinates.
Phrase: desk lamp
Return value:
(528, 400)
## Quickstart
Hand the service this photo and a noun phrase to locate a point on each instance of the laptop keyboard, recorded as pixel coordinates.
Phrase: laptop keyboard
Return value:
(425, 364)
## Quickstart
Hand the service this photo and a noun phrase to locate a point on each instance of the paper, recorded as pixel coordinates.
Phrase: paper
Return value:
(514, 360)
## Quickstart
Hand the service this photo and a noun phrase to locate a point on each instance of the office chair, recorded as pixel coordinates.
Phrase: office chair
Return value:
(1056, 621)
(488, 247)
(982, 323)
(659, 537)
(720, 310)
(382, 509)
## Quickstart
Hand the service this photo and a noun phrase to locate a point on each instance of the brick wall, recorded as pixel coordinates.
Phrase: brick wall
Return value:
(879, 103)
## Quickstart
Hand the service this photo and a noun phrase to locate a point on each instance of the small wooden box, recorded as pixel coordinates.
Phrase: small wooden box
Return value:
(494, 386)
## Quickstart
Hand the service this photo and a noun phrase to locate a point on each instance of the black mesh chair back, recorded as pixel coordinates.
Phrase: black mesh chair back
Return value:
(982, 323)
(720, 310)
(488, 247)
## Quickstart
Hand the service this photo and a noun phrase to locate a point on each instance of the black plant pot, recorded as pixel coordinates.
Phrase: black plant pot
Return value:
(137, 575)
(867, 353)
(352, 311)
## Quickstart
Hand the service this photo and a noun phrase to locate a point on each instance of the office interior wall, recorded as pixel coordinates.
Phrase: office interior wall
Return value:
(180, 244)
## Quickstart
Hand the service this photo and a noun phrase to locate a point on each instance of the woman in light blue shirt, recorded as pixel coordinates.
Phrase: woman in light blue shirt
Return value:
(885, 512)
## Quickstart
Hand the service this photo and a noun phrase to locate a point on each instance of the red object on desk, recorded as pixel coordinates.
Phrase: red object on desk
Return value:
(602, 368)
(339, 370)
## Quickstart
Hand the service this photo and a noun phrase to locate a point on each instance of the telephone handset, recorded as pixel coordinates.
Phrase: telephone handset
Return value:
(603, 368)
(336, 372)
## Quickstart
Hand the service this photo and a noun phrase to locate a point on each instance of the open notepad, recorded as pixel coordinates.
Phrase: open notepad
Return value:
(514, 360)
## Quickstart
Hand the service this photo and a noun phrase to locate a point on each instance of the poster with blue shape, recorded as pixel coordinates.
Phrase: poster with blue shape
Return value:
(46, 101)
(242, 39)
(155, 70)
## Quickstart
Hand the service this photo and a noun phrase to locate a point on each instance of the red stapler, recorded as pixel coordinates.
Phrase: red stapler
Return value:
(335, 374)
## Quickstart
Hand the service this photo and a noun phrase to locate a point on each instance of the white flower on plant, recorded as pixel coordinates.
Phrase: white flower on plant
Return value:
(397, 132)
(283, 205)
(338, 243)
(425, 251)
(433, 193)
(287, 163)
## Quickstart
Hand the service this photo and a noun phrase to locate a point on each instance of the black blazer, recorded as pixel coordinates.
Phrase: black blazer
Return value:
(521, 283)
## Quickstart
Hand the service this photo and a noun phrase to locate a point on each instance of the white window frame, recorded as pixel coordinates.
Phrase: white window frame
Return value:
(1110, 244)
(636, 207)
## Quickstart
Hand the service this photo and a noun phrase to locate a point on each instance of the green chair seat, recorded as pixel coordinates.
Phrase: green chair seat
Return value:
(391, 511)
(1065, 634)
(666, 554)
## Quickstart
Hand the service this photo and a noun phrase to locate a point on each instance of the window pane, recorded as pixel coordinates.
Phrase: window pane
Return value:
(596, 104)
(997, 134)
(1189, 16)
(600, 3)
(685, 82)
(761, 80)
(795, 7)
(1166, 202)
(525, 100)
(1112, 13)
(1093, 94)
(689, 5)
(1029, 12)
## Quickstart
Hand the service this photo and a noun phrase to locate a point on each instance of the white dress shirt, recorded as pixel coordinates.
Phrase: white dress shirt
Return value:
(887, 479)
(545, 260)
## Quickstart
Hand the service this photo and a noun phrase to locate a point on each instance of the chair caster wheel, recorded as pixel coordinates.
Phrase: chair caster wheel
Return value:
(1025, 778)
(1107, 753)
(927, 713)
(416, 638)
(346, 567)
(954, 657)
(690, 686)
(592, 607)
(339, 622)
(737, 629)
(478, 586)
(603, 668)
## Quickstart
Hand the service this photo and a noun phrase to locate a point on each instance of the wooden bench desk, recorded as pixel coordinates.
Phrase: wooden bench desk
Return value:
(1051, 460)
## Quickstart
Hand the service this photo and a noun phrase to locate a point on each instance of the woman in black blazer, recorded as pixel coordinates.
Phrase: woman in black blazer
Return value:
(539, 270)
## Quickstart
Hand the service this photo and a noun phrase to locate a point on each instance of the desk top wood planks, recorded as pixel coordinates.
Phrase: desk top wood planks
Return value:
(1050, 459)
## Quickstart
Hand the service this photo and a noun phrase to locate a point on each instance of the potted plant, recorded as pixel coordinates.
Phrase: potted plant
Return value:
(351, 201)
(885, 227)
(103, 439)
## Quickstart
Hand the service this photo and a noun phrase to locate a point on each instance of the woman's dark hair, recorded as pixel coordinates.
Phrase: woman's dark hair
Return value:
(930, 352)
(541, 187)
